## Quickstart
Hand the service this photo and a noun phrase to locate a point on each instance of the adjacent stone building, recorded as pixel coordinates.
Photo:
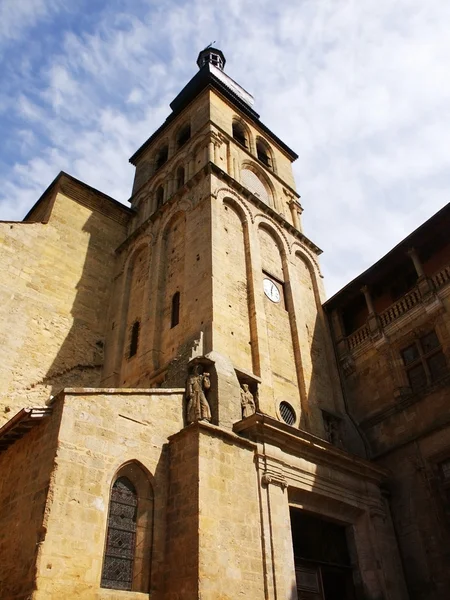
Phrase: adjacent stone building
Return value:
(391, 329)
(175, 424)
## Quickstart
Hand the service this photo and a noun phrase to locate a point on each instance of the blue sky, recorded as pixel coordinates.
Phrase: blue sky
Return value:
(360, 89)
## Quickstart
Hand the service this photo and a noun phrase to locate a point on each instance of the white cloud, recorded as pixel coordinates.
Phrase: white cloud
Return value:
(18, 15)
(358, 88)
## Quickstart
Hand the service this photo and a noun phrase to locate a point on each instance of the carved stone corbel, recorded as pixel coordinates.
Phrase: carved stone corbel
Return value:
(274, 478)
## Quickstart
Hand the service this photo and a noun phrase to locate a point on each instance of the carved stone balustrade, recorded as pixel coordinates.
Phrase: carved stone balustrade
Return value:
(413, 298)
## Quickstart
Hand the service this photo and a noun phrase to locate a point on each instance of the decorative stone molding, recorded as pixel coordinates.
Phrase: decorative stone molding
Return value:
(274, 478)
(217, 138)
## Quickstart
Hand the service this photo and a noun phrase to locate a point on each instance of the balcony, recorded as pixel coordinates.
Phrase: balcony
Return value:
(417, 296)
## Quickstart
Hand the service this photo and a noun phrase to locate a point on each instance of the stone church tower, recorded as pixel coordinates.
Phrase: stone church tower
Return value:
(188, 437)
(215, 263)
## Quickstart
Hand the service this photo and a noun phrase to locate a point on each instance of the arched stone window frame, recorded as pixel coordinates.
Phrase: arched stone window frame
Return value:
(240, 124)
(179, 176)
(258, 171)
(263, 144)
(160, 195)
(142, 482)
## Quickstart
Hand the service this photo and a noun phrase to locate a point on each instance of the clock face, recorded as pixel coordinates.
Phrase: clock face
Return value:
(271, 290)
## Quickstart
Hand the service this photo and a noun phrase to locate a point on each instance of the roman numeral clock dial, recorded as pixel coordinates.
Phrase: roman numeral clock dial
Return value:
(271, 290)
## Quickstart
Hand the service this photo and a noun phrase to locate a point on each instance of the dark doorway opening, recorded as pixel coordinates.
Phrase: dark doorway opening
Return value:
(323, 568)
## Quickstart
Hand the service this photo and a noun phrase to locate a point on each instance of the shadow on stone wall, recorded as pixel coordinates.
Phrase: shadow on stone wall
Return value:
(79, 360)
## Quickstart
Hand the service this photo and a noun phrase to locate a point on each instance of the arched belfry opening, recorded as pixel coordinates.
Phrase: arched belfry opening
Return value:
(183, 135)
(240, 133)
(264, 153)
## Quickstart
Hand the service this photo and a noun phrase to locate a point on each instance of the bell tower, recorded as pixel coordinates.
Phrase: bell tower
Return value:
(216, 266)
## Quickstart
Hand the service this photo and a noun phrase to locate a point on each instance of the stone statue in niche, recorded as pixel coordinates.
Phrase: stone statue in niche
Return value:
(197, 406)
(247, 402)
(333, 430)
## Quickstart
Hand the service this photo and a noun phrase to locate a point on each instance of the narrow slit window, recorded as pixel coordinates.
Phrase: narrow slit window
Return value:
(180, 177)
(134, 341)
(159, 196)
(175, 319)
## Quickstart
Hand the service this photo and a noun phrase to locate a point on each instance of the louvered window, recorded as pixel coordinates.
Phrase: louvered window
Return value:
(287, 413)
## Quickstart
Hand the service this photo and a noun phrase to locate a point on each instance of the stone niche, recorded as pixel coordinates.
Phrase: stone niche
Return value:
(252, 381)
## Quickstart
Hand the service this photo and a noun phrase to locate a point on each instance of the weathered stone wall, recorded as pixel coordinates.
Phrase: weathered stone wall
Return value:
(197, 115)
(229, 525)
(55, 282)
(100, 431)
(231, 309)
(181, 572)
(279, 333)
(420, 513)
(378, 387)
(285, 344)
(222, 115)
(214, 545)
(26, 485)
(408, 432)
(176, 257)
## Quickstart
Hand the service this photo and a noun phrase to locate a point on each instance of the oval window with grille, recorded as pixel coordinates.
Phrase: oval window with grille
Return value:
(287, 413)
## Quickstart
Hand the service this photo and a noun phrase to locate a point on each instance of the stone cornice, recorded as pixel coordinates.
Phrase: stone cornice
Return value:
(208, 169)
(203, 427)
(264, 429)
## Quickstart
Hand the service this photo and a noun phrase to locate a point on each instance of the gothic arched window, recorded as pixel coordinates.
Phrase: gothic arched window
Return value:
(121, 537)
(127, 555)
